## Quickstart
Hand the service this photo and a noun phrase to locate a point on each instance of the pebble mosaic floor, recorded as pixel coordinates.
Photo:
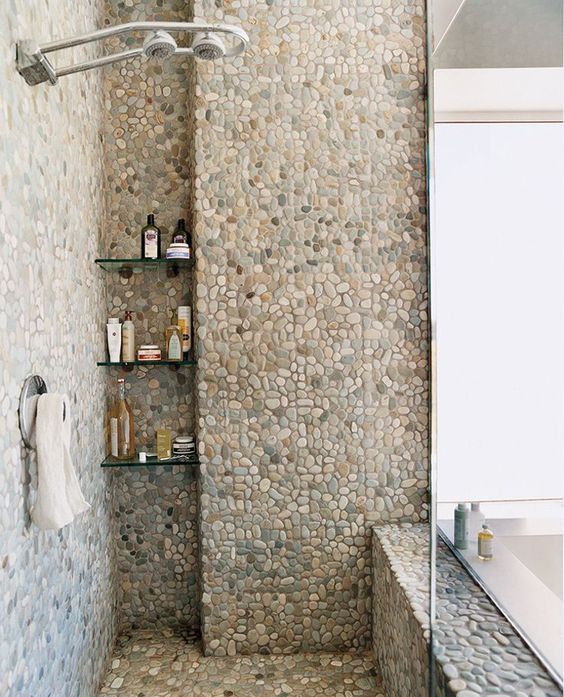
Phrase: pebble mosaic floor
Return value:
(170, 664)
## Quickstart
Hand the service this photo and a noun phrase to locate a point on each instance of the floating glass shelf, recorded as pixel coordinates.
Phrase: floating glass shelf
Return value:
(151, 462)
(130, 266)
(129, 364)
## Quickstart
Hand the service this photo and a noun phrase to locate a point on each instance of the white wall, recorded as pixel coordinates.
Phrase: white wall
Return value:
(498, 282)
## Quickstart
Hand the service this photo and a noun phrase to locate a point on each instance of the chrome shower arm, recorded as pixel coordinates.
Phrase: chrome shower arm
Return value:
(128, 27)
(98, 62)
(113, 58)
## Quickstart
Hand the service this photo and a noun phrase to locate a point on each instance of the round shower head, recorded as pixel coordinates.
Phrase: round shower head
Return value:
(159, 45)
(208, 47)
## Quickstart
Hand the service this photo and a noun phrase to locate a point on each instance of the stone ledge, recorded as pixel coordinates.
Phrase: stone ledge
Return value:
(476, 650)
(400, 631)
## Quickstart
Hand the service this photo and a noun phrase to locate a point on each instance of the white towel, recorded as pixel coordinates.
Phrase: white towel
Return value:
(59, 498)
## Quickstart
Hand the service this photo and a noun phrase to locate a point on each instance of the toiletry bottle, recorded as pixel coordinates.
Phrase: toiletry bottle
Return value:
(475, 520)
(111, 428)
(164, 443)
(128, 339)
(150, 239)
(121, 426)
(461, 513)
(185, 323)
(180, 235)
(173, 343)
(485, 543)
(113, 329)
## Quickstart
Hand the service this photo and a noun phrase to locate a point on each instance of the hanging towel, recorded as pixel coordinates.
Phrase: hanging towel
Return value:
(59, 498)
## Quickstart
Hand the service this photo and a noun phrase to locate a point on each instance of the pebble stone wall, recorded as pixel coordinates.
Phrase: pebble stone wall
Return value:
(311, 314)
(57, 588)
(149, 168)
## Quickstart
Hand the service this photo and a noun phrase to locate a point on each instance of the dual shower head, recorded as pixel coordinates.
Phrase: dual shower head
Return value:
(159, 44)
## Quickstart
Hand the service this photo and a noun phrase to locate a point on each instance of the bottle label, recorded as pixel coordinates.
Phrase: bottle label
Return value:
(485, 547)
(114, 437)
(460, 532)
(174, 348)
(151, 244)
(184, 320)
(184, 328)
(126, 437)
(128, 347)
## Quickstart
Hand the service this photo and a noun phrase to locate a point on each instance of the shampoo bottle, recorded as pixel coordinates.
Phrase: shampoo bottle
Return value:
(461, 513)
(128, 339)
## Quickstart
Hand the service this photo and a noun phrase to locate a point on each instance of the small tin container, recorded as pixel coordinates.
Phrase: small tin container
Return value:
(149, 352)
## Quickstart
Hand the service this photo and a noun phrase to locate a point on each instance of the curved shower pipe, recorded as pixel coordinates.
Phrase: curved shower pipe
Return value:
(35, 67)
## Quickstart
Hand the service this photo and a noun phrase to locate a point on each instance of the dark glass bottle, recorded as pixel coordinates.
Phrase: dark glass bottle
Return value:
(189, 243)
(180, 234)
(150, 240)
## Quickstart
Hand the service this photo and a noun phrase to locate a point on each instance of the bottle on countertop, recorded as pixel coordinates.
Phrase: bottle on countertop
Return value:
(485, 543)
(461, 513)
(150, 239)
(128, 339)
(122, 437)
(475, 521)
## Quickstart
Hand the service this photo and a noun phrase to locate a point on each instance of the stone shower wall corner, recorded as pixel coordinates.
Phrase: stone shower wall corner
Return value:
(148, 146)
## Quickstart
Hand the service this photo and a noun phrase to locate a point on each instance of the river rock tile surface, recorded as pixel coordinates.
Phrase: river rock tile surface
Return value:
(58, 590)
(169, 664)
(311, 309)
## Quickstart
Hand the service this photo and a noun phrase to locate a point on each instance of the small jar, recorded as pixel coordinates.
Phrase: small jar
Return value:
(184, 445)
(149, 352)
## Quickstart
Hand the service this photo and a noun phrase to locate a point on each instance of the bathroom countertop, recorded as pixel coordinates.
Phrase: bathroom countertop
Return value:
(477, 651)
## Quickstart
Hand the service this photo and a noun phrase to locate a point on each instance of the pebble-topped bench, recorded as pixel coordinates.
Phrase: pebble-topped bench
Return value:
(475, 650)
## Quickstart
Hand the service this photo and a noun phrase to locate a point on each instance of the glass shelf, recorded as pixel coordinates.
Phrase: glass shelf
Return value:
(130, 364)
(151, 462)
(129, 266)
